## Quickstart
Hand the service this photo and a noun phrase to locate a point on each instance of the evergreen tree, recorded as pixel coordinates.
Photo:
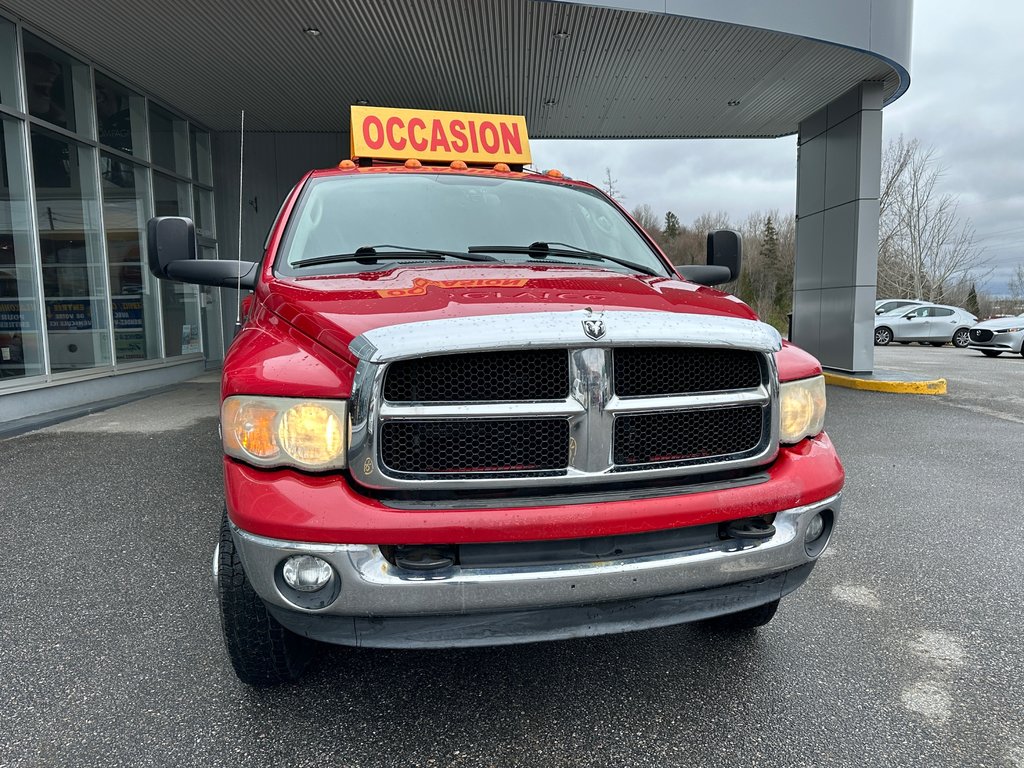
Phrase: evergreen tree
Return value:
(972, 302)
(671, 229)
(611, 186)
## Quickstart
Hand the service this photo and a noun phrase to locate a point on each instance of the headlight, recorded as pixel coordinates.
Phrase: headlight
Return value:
(1010, 330)
(283, 431)
(802, 409)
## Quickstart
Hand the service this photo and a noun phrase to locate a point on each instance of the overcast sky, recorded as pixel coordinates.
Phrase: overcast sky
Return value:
(966, 100)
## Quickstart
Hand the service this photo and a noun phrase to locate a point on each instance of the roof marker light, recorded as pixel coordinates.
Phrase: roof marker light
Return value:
(501, 167)
(459, 165)
(412, 162)
(554, 173)
(346, 165)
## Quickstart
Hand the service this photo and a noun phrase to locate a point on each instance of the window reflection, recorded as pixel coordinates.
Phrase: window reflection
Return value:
(56, 85)
(182, 332)
(120, 113)
(74, 285)
(8, 70)
(136, 322)
(168, 140)
(20, 328)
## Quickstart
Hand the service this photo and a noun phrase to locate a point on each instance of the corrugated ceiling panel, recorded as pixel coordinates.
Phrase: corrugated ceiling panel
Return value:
(617, 74)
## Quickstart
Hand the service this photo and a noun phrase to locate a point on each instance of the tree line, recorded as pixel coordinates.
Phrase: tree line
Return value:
(926, 249)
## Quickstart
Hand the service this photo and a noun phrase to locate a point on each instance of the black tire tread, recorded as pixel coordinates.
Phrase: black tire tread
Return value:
(262, 651)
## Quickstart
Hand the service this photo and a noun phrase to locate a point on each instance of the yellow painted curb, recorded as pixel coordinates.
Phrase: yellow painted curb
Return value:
(933, 387)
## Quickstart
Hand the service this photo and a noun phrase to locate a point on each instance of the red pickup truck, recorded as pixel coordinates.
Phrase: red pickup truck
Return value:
(478, 406)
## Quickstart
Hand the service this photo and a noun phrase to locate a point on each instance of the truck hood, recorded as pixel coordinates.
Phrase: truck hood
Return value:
(333, 310)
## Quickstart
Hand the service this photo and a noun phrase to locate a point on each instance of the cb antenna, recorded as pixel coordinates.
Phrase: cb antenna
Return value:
(241, 173)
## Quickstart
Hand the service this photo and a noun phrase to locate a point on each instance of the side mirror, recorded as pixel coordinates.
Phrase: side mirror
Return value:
(725, 249)
(169, 239)
(171, 242)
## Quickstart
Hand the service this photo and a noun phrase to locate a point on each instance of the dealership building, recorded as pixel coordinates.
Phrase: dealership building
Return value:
(112, 112)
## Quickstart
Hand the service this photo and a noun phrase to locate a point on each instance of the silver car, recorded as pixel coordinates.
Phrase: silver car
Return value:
(993, 337)
(935, 324)
(888, 305)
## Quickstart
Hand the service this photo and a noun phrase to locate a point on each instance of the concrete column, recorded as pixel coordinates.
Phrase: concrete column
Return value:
(839, 153)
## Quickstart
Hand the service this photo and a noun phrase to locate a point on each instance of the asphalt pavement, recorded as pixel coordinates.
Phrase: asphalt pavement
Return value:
(903, 649)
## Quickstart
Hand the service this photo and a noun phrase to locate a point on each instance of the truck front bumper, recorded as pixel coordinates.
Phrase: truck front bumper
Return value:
(380, 604)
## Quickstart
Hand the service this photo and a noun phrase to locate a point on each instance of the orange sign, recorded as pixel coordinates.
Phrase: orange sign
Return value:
(420, 285)
(401, 134)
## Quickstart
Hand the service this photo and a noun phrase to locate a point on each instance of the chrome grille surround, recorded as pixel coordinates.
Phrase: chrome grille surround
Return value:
(591, 407)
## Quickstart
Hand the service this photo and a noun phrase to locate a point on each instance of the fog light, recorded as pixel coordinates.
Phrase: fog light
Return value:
(814, 529)
(306, 573)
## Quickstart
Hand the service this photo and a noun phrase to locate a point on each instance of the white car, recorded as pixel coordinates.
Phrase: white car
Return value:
(883, 306)
(935, 324)
(993, 337)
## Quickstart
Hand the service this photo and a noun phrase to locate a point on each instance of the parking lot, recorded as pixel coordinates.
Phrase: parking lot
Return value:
(903, 648)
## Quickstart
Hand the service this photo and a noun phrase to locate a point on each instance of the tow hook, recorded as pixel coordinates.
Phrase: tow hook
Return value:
(749, 528)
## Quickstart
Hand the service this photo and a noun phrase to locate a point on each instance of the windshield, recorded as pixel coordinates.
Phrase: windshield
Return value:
(453, 213)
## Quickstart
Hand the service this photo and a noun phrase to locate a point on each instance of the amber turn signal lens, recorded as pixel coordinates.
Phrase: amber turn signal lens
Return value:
(250, 426)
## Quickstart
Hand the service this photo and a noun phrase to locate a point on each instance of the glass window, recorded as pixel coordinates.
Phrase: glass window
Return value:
(204, 212)
(57, 86)
(74, 279)
(202, 159)
(8, 64)
(340, 214)
(168, 140)
(20, 327)
(182, 332)
(125, 212)
(120, 117)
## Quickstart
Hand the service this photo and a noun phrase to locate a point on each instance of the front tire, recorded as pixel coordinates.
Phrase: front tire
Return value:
(882, 336)
(992, 352)
(261, 650)
(961, 338)
(744, 621)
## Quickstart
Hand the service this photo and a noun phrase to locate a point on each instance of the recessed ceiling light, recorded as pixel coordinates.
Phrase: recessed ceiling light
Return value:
(312, 31)
(561, 35)
(361, 102)
(550, 102)
(733, 103)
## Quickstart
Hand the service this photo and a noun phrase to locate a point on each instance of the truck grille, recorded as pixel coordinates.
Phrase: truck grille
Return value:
(544, 415)
(496, 445)
(652, 438)
(643, 372)
(541, 374)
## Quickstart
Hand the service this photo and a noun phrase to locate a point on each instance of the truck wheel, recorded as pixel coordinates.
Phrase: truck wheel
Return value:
(744, 620)
(262, 651)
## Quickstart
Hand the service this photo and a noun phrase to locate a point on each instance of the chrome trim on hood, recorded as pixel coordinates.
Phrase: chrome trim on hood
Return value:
(484, 333)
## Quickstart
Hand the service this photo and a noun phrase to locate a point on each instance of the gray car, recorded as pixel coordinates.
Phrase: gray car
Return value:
(993, 337)
(935, 324)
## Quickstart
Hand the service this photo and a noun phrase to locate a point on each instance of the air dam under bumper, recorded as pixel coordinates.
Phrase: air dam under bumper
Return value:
(380, 605)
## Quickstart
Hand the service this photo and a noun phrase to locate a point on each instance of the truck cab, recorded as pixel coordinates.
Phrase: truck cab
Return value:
(476, 405)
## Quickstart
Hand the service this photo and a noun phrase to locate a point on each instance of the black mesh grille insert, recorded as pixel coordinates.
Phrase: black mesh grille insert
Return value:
(645, 372)
(541, 374)
(648, 438)
(475, 446)
(981, 334)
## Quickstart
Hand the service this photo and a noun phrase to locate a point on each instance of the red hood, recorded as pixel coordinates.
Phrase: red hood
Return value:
(334, 310)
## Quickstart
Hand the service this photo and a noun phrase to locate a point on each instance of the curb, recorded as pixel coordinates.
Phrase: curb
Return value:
(933, 387)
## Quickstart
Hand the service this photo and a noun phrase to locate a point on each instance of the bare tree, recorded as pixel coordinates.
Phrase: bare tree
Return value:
(611, 186)
(926, 250)
(648, 219)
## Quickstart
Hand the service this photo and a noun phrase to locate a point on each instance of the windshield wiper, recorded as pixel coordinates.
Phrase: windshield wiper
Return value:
(541, 250)
(368, 254)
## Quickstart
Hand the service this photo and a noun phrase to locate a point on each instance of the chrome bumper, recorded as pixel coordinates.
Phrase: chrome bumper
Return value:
(373, 587)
